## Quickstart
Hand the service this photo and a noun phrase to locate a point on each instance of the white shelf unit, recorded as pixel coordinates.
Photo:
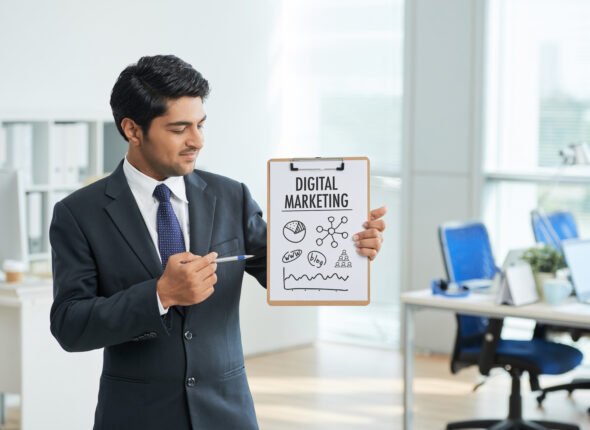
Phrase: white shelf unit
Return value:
(42, 161)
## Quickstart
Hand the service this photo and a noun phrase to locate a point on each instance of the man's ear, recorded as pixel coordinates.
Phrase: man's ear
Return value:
(132, 131)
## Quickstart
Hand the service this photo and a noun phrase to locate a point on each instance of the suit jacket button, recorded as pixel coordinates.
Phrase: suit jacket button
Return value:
(188, 335)
(191, 382)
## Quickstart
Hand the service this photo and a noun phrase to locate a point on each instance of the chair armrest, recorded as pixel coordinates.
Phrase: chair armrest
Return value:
(488, 347)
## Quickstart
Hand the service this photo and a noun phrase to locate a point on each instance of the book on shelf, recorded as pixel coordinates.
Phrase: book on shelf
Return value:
(69, 152)
(35, 222)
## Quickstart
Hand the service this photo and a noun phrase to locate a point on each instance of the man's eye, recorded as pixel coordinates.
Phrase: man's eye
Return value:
(177, 131)
(200, 126)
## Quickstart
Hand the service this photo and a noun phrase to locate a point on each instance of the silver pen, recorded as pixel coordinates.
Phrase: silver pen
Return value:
(233, 258)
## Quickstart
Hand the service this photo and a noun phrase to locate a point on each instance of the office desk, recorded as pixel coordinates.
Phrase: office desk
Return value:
(58, 390)
(571, 314)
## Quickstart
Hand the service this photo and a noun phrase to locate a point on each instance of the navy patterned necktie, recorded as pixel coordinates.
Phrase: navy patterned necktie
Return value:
(170, 238)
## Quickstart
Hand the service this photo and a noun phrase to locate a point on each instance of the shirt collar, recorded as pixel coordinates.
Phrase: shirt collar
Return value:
(144, 185)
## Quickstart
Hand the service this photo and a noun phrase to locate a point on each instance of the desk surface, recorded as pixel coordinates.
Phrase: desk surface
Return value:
(15, 294)
(571, 313)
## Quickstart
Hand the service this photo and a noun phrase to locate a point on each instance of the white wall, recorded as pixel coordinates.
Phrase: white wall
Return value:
(63, 57)
(442, 138)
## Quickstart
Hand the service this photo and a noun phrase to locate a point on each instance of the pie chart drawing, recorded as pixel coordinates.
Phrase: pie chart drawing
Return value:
(294, 231)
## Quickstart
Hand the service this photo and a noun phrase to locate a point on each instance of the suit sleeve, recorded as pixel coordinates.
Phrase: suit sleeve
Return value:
(254, 237)
(80, 319)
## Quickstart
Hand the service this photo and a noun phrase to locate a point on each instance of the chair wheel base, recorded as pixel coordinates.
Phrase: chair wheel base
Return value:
(509, 424)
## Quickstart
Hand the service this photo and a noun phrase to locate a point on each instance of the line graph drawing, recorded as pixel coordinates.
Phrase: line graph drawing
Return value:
(311, 279)
(332, 231)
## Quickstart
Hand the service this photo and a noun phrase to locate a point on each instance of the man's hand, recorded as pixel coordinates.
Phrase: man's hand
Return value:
(368, 242)
(187, 280)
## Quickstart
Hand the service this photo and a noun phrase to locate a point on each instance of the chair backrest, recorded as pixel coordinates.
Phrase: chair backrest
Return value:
(467, 251)
(554, 227)
(467, 254)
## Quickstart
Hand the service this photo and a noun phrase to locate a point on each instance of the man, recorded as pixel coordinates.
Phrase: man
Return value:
(134, 270)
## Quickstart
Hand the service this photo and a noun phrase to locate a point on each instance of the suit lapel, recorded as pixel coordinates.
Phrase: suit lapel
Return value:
(125, 214)
(201, 210)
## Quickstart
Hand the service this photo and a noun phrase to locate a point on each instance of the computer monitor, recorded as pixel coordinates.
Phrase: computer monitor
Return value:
(577, 257)
(13, 234)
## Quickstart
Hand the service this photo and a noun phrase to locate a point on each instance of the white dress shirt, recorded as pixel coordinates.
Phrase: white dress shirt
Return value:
(142, 187)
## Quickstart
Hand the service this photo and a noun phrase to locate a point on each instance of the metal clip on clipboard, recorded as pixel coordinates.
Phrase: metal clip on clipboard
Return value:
(306, 160)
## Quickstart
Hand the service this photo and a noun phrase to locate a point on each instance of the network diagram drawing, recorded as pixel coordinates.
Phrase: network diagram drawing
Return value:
(332, 231)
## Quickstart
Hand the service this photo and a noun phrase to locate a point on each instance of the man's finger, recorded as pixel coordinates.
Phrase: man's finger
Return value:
(182, 258)
(206, 271)
(210, 280)
(199, 296)
(199, 262)
(378, 224)
(367, 252)
(211, 257)
(374, 243)
(377, 213)
(366, 234)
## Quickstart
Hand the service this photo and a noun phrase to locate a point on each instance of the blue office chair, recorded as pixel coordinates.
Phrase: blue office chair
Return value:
(467, 254)
(551, 229)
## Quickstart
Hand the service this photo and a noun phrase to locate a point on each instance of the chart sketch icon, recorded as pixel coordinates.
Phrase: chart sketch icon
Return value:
(294, 231)
(332, 231)
(343, 261)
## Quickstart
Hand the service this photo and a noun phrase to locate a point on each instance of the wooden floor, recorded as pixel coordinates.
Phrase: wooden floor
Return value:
(332, 386)
(340, 387)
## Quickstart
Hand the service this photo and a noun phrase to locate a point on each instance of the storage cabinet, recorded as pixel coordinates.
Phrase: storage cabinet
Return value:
(57, 389)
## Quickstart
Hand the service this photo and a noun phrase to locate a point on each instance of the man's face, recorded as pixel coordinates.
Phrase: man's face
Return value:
(174, 139)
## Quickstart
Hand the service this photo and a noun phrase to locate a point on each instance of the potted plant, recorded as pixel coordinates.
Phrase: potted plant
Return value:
(544, 261)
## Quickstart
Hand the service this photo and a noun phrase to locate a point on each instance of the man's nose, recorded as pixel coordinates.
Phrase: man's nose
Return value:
(195, 138)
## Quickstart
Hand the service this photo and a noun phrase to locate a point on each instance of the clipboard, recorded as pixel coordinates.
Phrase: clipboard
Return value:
(314, 207)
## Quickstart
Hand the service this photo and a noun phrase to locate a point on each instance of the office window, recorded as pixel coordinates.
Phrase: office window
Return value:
(537, 102)
(539, 86)
(341, 76)
(339, 91)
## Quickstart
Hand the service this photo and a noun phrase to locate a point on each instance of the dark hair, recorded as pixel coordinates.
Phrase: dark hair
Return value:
(143, 89)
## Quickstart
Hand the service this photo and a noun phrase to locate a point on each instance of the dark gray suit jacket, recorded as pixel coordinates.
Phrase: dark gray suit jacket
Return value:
(181, 371)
